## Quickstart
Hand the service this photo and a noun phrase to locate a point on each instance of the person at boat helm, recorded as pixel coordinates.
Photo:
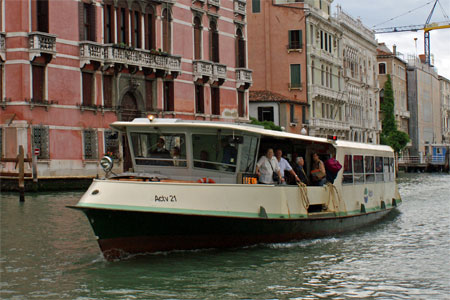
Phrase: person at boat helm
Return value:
(266, 166)
(318, 171)
(161, 148)
(284, 166)
(300, 171)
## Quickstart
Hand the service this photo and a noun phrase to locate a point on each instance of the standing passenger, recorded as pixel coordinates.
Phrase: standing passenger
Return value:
(300, 171)
(318, 171)
(284, 166)
(266, 166)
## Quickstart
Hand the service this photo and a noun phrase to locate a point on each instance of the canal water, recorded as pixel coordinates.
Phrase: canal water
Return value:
(49, 252)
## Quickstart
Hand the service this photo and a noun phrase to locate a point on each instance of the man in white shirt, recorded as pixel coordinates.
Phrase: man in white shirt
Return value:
(284, 166)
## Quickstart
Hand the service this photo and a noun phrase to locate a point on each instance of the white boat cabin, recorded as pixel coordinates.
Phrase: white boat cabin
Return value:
(228, 152)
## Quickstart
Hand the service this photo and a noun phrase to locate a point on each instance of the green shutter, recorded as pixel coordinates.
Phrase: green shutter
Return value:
(295, 76)
(256, 6)
(300, 39)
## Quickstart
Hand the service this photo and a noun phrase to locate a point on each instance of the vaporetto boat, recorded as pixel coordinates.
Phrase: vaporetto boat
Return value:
(192, 186)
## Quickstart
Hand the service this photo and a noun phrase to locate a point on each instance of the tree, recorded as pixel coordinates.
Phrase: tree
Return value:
(267, 124)
(390, 135)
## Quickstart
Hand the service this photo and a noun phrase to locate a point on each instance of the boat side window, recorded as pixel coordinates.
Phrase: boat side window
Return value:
(386, 169)
(391, 169)
(379, 168)
(369, 170)
(348, 170)
(248, 156)
(214, 152)
(358, 168)
(159, 149)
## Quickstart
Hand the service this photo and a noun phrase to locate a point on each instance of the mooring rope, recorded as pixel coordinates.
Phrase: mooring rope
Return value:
(304, 195)
(332, 190)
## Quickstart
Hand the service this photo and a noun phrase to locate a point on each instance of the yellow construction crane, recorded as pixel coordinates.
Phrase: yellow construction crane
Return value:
(427, 27)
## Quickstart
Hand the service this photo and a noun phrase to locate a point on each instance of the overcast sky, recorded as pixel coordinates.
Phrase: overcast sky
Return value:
(380, 12)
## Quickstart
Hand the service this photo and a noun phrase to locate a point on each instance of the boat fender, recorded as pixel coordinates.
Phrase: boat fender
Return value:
(205, 180)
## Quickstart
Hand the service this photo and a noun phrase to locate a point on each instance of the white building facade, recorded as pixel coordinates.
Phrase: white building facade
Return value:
(359, 58)
(444, 85)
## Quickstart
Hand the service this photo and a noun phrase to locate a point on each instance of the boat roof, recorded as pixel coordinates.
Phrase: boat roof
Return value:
(250, 128)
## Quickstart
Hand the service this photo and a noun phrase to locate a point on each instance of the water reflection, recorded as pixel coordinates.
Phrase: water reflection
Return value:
(49, 252)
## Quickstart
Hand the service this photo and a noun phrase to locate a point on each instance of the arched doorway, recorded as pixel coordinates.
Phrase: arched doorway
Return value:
(129, 111)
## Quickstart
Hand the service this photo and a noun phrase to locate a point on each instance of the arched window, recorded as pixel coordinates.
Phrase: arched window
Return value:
(167, 19)
(150, 28)
(109, 26)
(214, 41)
(122, 22)
(136, 25)
(240, 49)
(197, 38)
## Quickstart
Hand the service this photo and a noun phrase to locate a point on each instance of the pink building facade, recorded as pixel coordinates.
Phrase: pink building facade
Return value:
(276, 31)
(70, 68)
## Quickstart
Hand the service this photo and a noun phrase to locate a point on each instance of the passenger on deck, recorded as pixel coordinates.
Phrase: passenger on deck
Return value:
(284, 166)
(266, 166)
(318, 171)
(176, 156)
(299, 170)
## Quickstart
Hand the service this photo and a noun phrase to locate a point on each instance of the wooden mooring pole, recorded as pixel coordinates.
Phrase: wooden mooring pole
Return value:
(21, 174)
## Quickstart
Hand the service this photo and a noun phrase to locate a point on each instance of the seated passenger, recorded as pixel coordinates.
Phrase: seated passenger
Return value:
(266, 166)
(299, 170)
(284, 166)
(318, 171)
(160, 150)
(176, 157)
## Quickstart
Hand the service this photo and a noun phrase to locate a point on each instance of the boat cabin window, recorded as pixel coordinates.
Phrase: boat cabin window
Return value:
(215, 152)
(248, 156)
(358, 168)
(348, 169)
(368, 169)
(379, 168)
(369, 164)
(159, 149)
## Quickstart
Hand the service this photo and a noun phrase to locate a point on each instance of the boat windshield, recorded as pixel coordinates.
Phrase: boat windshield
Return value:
(214, 152)
(159, 149)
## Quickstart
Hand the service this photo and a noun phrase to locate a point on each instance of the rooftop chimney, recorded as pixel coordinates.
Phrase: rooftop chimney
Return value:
(394, 49)
(422, 58)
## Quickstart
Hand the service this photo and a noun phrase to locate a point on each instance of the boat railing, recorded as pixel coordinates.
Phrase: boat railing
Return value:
(161, 161)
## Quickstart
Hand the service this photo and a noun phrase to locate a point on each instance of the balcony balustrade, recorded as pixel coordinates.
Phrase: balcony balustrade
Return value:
(202, 70)
(324, 92)
(3, 46)
(219, 73)
(316, 52)
(243, 78)
(214, 3)
(295, 86)
(112, 54)
(329, 124)
(403, 113)
(41, 43)
(239, 7)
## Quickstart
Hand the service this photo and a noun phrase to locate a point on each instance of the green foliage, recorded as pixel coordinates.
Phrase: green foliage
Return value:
(390, 135)
(267, 124)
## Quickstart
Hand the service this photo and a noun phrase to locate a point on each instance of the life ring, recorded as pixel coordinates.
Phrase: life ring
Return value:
(205, 180)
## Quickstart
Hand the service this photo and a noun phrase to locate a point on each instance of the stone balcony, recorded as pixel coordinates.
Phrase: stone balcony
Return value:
(330, 94)
(202, 70)
(329, 124)
(110, 55)
(42, 43)
(215, 3)
(243, 78)
(403, 113)
(239, 7)
(219, 73)
(319, 53)
(2, 46)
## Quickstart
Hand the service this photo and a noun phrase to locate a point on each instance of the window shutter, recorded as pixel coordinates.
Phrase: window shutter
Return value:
(107, 90)
(81, 20)
(38, 82)
(295, 76)
(87, 88)
(260, 114)
(92, 22)
(42, 15)
(241, 53)
(300, 39)
(149, 95)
